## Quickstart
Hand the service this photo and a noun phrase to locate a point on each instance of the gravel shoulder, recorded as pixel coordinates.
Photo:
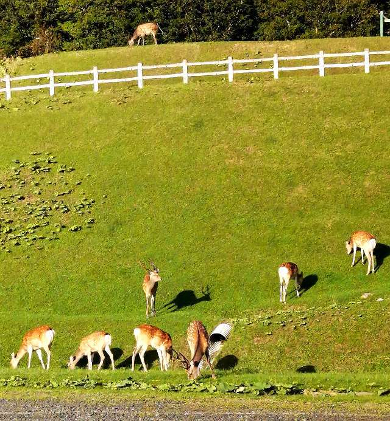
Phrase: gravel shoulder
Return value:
(89, 407)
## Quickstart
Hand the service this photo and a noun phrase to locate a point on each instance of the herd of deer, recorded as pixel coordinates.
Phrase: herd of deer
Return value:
(147, 335)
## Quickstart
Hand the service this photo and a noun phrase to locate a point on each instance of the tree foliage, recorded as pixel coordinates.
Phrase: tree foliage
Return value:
(39, 26)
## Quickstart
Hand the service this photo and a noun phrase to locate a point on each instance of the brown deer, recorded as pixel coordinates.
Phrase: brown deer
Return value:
(287, 271)
(366, 242)
(144, 30)
(147, 335)
(150, 286)
(34, 340)
(198, 341)
(95, 342)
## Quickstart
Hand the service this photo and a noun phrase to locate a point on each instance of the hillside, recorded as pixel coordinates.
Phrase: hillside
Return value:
(218, 184)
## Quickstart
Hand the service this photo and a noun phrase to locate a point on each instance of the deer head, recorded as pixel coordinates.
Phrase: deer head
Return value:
(348, 246)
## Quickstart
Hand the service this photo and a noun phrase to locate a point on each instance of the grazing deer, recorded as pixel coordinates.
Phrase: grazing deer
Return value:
(366, 242)
(150, 286)
(144, 30)
(147, 335)
(34, 340)
(287, 271)
(198, 341)
(95, 342)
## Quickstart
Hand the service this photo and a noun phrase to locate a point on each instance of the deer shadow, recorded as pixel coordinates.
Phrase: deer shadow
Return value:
(227, 362)
(307, 369)
(381, 252)
(150, 357)
(116, 353)
(187, 298)
(308, 282)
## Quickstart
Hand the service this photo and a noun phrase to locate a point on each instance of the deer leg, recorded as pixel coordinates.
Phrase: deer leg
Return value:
(139, 40)
(29, 350)
(207, 355)
(135, 352)
(48, 353)
(89, 356)
(160, 358)
(39, 353)
(362, 254)
(108, 350)
(147, 307)
(155, 39)
(354, 255)
(153, 304)
(141, 355)
(373, 261)
(102, 358)
(369, 258)
(296, 285)
(143, 40)
(281, 290)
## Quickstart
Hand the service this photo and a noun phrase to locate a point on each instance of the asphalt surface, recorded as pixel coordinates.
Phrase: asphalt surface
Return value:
(50, 409)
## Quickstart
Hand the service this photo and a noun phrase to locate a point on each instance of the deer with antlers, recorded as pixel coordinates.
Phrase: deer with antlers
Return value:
(95, 342)
(367, 243)
(287, 271)
(147, 335)
(144, 30)
(150, 286)
(34, 340)
(198, 341)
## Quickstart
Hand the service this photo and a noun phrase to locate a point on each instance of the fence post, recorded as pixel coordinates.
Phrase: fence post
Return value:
(95, 79)
(51, 82)
(7, 80)
(276, 67)
(366, 60)
(321, 63)
(381, 19)
(185, 71)
(230, 69)
(140, 81)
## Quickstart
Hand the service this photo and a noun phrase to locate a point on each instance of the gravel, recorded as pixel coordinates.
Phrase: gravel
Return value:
(52, 409)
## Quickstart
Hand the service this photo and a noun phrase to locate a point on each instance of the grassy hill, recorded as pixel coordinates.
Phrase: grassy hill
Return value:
(217, 183)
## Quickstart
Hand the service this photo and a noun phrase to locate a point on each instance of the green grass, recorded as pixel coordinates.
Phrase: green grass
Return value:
(218, 183)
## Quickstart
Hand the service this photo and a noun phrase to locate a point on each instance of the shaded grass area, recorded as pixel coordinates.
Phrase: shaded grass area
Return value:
(218, 184)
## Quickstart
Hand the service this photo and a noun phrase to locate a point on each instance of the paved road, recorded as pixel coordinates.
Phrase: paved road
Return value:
(50, 409)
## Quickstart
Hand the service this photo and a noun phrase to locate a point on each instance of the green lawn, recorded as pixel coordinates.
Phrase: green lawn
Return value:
(217, 183)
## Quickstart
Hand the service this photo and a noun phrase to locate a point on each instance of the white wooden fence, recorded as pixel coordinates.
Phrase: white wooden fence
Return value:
(275, 67)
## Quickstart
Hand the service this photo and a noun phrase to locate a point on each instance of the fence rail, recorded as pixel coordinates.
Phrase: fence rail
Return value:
(274, 67)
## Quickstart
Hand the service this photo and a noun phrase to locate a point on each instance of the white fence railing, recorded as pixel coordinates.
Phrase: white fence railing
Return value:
(274, 66)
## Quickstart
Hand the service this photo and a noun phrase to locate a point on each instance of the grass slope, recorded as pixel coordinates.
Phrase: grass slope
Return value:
(218, 183)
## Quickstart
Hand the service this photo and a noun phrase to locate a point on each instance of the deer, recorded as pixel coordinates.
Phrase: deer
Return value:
(142, 31)
(366, 242)
(198, 341)
(287, 271)
(95, 342)
(150, 286)
(147, 335)
(34, 340)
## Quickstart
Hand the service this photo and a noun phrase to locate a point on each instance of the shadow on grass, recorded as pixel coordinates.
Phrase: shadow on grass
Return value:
(227, 362)
(308, 282)
(307, 369)
(187, 298)
(150, 357)
(381, 252)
